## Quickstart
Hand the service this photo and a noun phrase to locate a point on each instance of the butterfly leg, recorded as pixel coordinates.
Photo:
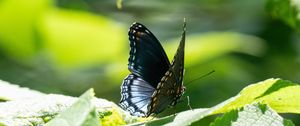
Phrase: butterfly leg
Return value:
(189, 103)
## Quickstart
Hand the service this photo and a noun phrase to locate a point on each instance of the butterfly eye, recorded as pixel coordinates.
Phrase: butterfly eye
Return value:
(183, 89)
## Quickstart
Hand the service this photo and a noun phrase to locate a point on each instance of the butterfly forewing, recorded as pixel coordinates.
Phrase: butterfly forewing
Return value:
(147, 58)
(164, 94)
(170, 87)
(178, 60)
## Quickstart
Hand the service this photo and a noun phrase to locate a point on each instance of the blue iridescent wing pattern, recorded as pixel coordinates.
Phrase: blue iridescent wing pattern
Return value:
(135, 95)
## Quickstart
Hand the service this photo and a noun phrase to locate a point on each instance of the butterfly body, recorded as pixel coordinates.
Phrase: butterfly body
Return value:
(154, 82)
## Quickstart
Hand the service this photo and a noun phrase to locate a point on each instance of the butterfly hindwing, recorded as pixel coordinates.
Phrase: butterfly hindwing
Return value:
(147, 58)
(135, 95)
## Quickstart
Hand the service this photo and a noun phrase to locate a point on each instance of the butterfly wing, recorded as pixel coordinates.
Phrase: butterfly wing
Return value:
(154, 83)
(148, 59)
(135, 95)
(164, 94)
(178, 60)
(170, 88)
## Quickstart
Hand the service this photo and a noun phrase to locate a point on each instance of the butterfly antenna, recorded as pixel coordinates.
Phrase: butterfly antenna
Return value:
(200, 77)
(184, 24)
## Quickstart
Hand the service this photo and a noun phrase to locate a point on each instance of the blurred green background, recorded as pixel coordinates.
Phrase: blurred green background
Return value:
(69, 46)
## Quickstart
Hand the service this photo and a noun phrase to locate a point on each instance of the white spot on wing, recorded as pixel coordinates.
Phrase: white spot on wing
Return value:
(147, 31)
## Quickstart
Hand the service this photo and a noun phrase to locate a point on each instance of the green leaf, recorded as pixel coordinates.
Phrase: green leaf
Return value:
(187, 117)
(281, 95)
(14, 92)
(286, 10)
(254, 114)
(29, 107)
(81, 113)
(41, 109)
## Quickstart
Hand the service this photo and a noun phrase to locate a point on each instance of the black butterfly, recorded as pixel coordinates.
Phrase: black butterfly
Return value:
(154, 82)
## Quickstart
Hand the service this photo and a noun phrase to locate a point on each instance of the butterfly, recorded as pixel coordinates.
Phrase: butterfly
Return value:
(154, 83)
